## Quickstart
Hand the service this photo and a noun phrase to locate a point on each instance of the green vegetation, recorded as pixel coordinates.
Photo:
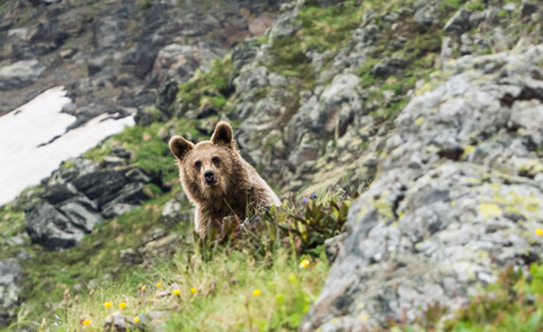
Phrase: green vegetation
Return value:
(327, 28)
(213, 84)
(245, 272)
(513, 303)
(289, 58)
(229, 293)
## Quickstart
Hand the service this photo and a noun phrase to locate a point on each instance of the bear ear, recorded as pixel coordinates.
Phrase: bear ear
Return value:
(223, 134)
(180, 147)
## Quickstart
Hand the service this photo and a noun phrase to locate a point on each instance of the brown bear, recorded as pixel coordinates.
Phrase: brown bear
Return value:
(217, 180)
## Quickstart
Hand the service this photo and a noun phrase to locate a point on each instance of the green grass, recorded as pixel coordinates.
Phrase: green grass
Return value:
(213, 83)
(327, 28)
(223, 298)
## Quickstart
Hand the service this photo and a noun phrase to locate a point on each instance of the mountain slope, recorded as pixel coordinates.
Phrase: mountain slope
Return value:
(319, 105)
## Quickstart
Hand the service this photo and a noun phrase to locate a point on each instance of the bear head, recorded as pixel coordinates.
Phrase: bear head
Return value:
(208, 168)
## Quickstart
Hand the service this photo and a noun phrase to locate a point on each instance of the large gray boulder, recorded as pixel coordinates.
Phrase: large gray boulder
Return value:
(459, 198)
(77, 199)
(10, 273)
(20, 74)
(50, 228)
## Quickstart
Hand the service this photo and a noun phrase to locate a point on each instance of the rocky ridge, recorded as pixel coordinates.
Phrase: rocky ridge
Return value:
(465, 207)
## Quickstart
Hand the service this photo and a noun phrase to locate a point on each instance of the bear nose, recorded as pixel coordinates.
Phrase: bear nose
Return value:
(209, 176)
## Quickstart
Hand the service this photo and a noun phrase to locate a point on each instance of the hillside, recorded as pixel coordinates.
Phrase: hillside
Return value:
(404, 138)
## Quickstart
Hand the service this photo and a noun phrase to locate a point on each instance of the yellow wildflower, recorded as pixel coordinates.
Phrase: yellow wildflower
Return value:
(122, 305)
(256, 292)
(158, 284)
(143, 287)
(86, 322)
(176, 292)
(107, 304)
(304, 263)
(193, 290)
(539, 231)
(136, 319)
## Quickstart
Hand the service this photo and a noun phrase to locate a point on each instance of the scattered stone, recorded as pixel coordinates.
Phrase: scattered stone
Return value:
(459, 23)
(120, 323)
(426, 12)
(163, 248)
(511, 6)
(120, 151)
(131, 256)
(10, 273)
(69, 53)
(244, 52)
(96, 65)
(20, 74)
(153, 235)
(172, 214)
(113, 161)
(285, 25)
(251, 78)
(388, 67)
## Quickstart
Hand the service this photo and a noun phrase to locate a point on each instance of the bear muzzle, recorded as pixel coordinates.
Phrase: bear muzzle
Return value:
(210, 179)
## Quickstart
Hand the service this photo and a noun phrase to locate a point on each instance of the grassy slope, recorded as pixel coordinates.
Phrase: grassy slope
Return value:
(224, 286)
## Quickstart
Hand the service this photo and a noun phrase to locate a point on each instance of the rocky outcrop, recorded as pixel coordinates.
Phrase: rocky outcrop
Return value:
(459, 198)
(10, 273)
(289, 135)
(75, 200)
(123, 49)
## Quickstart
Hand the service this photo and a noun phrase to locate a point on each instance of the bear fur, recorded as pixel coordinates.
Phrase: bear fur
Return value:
(217, 180)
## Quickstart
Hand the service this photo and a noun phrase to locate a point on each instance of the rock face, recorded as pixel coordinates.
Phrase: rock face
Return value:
(10, 271)
(120, 47)
(20, 74)
(50, 228)
(459, 198)
(75, 200)
(177, 64)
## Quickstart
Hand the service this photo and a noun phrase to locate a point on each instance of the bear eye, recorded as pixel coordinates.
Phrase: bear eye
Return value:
(198, 164)
(216, 161)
